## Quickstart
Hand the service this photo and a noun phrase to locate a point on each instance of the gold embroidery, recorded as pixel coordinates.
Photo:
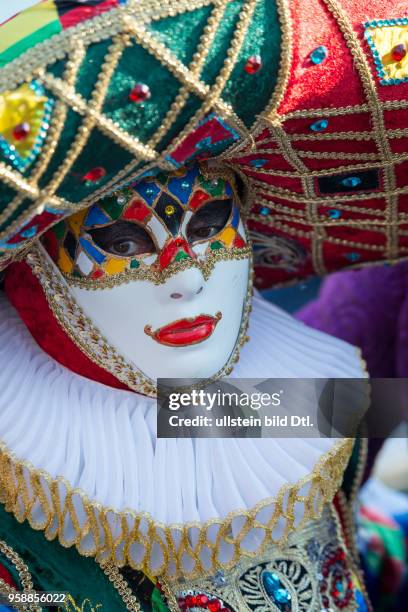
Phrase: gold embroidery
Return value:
(23, 572)
(384, 39)
(158, 278)
(131, 21)
(112, 572)
(297, 566)
(128, 537)
(70, 605)
(376, 112)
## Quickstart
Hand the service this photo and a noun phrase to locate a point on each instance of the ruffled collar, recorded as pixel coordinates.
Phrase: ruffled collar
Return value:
(82, 461)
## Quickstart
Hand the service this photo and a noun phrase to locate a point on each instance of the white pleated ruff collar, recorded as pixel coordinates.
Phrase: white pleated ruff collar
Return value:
(81, 460)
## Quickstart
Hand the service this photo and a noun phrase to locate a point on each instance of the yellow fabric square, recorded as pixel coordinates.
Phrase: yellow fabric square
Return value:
(228, 236)
(76, 221)
(114, 266)
(385, 38)
(64, 262)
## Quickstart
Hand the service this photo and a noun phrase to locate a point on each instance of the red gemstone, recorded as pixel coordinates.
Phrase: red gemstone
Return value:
(398, 52)
(97, 274)
(140, 93)
(21, 131)
(94, 175)
(214, 605)
(190, 601)
(254, 63)
(202, 600)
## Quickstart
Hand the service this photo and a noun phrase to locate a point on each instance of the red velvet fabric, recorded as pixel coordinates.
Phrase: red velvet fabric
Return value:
(6, 576)
(25, 293)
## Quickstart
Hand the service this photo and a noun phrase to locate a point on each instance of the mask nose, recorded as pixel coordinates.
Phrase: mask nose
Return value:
(184, 286)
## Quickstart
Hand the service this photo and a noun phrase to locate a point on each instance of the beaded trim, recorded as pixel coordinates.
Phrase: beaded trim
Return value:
(115, 577)
(10, 151)
(302, 575)
(24, 575)
(131, 538)
(370, 28)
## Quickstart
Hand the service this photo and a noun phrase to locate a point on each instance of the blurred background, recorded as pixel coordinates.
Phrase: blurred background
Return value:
(369, 308)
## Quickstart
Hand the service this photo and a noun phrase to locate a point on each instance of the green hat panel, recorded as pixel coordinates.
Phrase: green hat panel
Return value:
(127, 88)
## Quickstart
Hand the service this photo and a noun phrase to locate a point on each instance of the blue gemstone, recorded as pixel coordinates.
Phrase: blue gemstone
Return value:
(264, 211)
(319, 54)
(258, 163)
(334, 213)
(219, 579)
(271, 583)
(339, 586)
(351, 181)
(29, 232)
(282, 596)
(352, 256)
(319, 126)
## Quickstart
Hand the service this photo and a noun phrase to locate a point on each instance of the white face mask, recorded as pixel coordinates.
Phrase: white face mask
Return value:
(162, 269)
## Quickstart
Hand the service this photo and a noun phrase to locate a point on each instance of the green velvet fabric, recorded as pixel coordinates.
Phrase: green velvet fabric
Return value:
(352, 469)
(6, 195)
(248, 94)
(55, 568)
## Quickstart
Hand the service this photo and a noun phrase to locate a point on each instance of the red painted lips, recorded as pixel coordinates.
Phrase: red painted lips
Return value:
(185, 331)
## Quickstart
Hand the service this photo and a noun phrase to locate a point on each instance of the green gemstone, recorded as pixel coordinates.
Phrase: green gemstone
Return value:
(215, 187)
(216, 245)
(134, 264)
(181, 255)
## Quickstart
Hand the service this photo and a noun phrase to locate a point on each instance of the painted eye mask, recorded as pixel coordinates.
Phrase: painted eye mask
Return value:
(151, 230)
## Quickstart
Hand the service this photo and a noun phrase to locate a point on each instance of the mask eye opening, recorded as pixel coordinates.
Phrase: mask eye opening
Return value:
(123, 232)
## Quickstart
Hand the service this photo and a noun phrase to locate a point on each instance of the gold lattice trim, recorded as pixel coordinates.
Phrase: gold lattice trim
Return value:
(135, 538)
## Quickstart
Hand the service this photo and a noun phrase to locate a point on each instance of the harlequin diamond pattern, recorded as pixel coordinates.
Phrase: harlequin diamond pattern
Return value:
(100, 136)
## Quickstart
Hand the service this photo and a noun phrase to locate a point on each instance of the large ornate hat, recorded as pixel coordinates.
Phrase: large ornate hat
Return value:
(95, 94)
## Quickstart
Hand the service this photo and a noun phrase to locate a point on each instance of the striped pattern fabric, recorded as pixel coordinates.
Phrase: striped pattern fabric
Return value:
(43, 20)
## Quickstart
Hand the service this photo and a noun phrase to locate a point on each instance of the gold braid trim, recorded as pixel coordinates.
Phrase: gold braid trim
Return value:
(24, 575)
(135, 538)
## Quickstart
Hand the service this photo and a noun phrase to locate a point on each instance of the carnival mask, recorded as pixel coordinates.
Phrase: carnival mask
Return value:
(162, 269)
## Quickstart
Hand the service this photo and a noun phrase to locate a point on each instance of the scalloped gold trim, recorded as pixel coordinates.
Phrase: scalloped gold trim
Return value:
(133, 538)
